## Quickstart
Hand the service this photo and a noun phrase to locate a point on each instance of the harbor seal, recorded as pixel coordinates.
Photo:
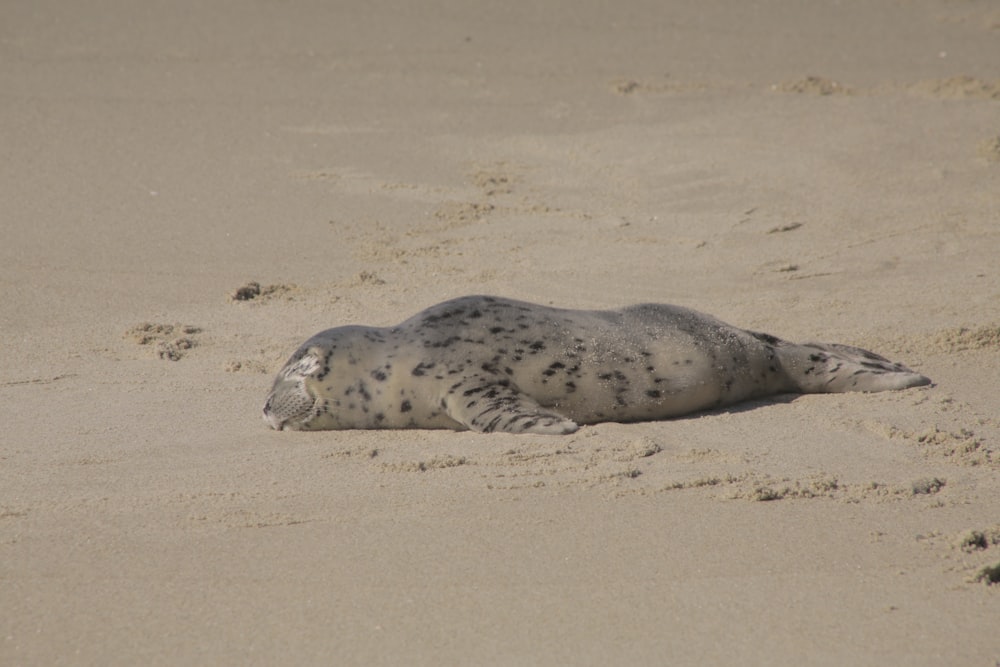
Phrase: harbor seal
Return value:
(486, 363)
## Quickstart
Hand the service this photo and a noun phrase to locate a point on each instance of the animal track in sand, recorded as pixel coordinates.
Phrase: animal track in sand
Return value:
(962, 446)
(813, 85)
(172, 341)
(971, 552)
(253, 291)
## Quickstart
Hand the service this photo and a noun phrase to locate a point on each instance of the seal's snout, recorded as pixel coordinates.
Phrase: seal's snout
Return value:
(269, 417)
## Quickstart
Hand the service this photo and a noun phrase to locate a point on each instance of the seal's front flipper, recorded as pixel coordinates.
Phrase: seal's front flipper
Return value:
(487, 404)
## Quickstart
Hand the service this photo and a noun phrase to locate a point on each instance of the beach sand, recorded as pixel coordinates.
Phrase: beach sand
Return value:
(825, 173)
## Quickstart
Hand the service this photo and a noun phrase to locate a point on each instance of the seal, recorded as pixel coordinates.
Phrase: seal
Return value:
(486, 363)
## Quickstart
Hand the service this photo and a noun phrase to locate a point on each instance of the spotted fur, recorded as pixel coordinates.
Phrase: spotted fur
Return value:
(491, 364)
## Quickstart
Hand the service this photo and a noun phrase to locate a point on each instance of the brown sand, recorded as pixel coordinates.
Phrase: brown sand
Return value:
(828, 173)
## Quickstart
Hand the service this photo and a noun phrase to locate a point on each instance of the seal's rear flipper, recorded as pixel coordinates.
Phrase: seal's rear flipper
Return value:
(487, 404)
(830, 367)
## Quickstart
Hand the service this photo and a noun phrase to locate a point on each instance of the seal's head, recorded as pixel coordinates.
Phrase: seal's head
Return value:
(290, 405)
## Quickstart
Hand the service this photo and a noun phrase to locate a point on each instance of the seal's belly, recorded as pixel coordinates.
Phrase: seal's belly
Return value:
(644, 385)
(648, 363)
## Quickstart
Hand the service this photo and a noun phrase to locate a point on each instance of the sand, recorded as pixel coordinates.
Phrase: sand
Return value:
(824, 171)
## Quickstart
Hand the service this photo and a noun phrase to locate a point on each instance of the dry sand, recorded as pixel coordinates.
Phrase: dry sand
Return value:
(826, 173)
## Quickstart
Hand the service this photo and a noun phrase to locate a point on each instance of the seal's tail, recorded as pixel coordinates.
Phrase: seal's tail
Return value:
(830, 368)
